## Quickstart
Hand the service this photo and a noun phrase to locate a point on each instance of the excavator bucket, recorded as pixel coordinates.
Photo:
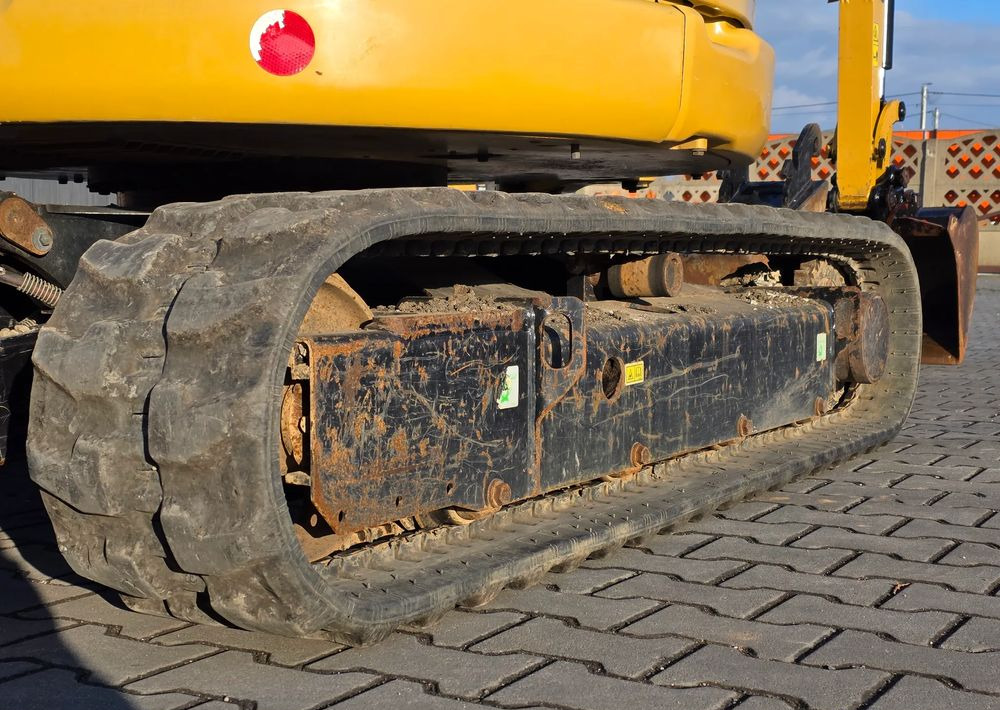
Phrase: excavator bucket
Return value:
(944, 242)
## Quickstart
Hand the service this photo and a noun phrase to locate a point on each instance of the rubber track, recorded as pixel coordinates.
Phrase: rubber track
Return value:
(155, 411)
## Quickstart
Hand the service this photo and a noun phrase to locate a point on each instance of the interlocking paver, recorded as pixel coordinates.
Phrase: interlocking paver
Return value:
(236, 676)
(976, 671)
(460, 673)
(283, 651)
(819, 689)
(801, 560)
(972, 553)
(933, 529)
(564, 684)
(96, 609)
(944, 513)
(927, 596)
(687, 568)
(585, 580)
(910, 549)
(975, 635)
(778, 643)
(836, 503)
(111, 659)
(592, 611)
(619, 655)
(22, 594)
(461, 628)
(912, 692)
(908, 626)
(676, 545)
(874, 492)
(730, 602)
(746, 510)
(963, 579)
(63, 690)
(400, 695)
(849, 591)
(869, 524)
(912, 470)
(764, 533)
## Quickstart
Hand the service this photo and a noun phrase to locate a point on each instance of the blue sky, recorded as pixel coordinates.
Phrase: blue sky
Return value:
(954, 44)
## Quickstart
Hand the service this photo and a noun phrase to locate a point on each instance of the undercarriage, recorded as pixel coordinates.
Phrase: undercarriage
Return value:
(341, 413)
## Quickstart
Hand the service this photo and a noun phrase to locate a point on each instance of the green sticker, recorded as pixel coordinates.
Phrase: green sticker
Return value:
(821, 347)
(510, 393)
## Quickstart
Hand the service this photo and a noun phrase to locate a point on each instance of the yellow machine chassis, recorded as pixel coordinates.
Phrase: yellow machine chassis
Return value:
(624, 70)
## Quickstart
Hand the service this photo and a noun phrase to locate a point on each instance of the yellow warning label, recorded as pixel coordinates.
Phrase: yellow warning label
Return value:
(877, 46)
(635, 372)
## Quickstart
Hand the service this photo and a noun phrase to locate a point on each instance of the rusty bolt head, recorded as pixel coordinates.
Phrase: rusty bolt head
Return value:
(820, 407)
(744, 427)
(42, 237)
(498, 494)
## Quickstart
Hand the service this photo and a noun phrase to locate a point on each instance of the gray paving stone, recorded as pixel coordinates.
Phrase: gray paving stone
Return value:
(909, 549)
(740, 603)
(592, 611)
(584, 580)
(849, 591)
(111, 660)
(867, 475)
(401, 695)
(931, 597)
(460, 628)
(836, 503)
(282, 651)
(459, 673)
(819, 689)
(975, 487)
(746, 510)
(9, 669)
(764, 533)
(759, 702)
(943, 531)
(800, 560)
(971, 553)
(975, 635)
(973, 671)
(868, 524)
(987, 475)
(57, 688)
(235, 675)
(972, 501)
(617, 654)
(912, 692)
(570, 685)
(908, 626)
(956, 516)
(963, 579)
(874, 492)
(20, 595)
(943, 469)
(675, 544)
(778, 643)
(687, 568)
(38, 563)
(95, 609)
(13, 630)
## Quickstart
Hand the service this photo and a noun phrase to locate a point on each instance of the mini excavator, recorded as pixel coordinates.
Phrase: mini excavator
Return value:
(294, 382)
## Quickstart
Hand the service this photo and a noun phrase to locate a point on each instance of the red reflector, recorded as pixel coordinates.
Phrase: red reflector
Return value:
(282, 42)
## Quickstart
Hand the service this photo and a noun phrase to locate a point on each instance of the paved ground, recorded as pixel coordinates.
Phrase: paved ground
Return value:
(869, 586)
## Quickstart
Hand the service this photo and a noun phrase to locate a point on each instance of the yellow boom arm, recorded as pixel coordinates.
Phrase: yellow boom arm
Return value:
(865, 120)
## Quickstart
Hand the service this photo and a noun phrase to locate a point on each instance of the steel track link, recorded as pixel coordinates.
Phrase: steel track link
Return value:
(228, 301)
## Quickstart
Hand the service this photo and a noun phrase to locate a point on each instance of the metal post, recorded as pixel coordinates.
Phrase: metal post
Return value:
(937, 121)
(923, 109)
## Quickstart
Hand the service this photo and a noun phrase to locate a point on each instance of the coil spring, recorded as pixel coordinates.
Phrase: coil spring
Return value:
(41, 290)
